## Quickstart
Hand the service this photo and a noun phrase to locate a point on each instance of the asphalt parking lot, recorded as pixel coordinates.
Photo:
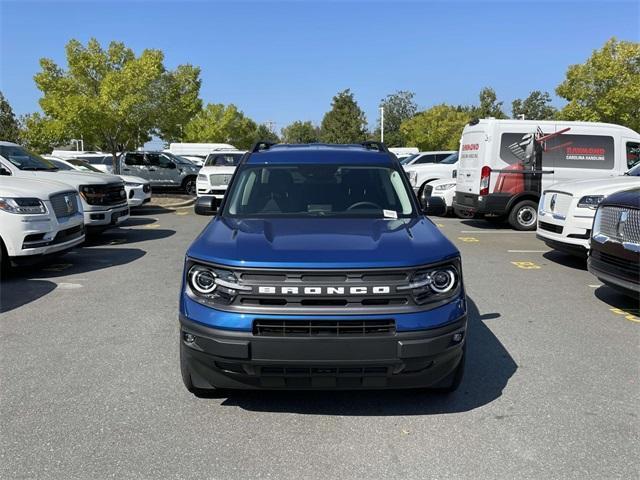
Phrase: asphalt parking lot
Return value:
(90, 383)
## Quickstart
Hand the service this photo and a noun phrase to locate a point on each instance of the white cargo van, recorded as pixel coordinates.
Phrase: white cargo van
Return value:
(495, 180)
(198, 149)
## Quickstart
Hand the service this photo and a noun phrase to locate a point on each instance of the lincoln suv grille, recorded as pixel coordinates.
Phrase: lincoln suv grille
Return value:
(65, 204)
(610, 224)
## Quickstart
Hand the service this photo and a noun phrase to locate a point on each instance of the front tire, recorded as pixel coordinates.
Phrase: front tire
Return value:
(524, 215)
(189, 186)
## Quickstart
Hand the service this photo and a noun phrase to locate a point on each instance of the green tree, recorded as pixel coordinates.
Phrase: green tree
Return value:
(537, 106)
(489, 105)
(438, 128)
(301, 132)
(42, 134)
(606, 88)
(345, 122)
(263, 133)
(9, 128)
(218, 123)
(398, 107)
(113, 99)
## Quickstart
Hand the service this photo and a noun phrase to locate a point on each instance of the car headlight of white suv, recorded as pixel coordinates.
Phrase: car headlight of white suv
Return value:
(590, 201)
(22, 206)
(445, 186)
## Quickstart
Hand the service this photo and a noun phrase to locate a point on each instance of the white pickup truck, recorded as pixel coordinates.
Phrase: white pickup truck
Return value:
(37, 217)
(103, 197)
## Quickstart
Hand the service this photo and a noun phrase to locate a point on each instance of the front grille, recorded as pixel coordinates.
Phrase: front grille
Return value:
(618, 231)
(105, 195)
(550, 227)
(64, 204)
(323, 328)
(219, 179)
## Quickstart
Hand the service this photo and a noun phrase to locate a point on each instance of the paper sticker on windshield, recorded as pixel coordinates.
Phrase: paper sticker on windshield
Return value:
(390, 214)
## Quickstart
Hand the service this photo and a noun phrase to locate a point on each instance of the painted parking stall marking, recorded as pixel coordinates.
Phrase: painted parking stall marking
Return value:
(527, 265)
(468, 239)
(629, 314)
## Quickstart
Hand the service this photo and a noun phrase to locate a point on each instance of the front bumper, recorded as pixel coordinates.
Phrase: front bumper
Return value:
(241, 360)
(492, 204)
(570, 234)
(616, 267)
(136, 196)
(204, 189)
(95, 216)
(41, 236)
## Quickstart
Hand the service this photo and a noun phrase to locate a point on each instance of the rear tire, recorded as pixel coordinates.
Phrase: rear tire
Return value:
(189, 185)
(524, 215)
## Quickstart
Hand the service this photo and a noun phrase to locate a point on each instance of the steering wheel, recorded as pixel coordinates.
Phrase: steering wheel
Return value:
(364, 204)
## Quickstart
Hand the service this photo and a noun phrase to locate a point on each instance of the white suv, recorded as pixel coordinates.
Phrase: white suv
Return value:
(421, 174)
(215, 175)
(37, 217)
(103, 197)
(566, 210)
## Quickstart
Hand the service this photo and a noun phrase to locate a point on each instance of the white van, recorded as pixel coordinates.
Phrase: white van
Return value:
(198, 149)
(497, 178)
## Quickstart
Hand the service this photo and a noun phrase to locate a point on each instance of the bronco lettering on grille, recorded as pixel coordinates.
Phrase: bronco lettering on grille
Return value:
(377, 290)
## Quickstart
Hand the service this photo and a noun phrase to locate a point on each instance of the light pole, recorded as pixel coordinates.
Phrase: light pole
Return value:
(382, 124)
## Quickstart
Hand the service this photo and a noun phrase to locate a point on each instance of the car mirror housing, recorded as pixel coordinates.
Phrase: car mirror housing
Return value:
(432, 205)
(4, 172)
(206, 206)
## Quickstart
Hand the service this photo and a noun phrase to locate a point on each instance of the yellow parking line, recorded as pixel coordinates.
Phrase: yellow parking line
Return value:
(439, 225)
(526, 265)
(628, 315)
(153, 225)
(468, 239)
(183, 213)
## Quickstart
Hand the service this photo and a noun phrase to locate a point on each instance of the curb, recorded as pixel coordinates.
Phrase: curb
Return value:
(173, 205)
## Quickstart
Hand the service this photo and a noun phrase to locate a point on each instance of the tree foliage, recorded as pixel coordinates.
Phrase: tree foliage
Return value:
(9, 128)
(265, 134)
(488, 106)
(113, 99)
(438, 128)
(345, 122)
(218, 123)
(537, 106)
(606, 88)
(398, 107)
(301, 132)
(42, 134)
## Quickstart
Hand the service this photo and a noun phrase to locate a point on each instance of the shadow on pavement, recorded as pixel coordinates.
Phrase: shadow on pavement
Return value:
(615, 299)
(483, 224)
(15, 293)
(137, 221)
(566, 260)
(488, 370)
(149, 210)
(128, 235)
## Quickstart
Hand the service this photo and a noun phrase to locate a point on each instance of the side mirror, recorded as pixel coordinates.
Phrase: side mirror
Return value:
(4, 172)
(206, 206)
(432, 205)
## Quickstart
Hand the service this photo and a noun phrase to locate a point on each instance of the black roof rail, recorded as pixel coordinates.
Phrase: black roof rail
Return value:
(261, 145)
(371, 145)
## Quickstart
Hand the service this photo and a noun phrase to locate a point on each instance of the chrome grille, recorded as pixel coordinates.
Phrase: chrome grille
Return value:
(220, 179)
(617, 230)
(64, 204)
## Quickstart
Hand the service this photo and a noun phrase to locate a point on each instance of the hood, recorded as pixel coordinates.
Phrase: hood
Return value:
(322, 243)
(599, 186)
(31, 187)
(132, 179)
(221, 170)
(75, 178)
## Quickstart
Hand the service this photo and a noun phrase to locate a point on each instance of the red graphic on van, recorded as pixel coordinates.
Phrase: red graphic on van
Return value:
(470, 146)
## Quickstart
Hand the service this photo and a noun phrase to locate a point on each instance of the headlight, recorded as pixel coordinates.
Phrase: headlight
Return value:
(413, 177)
(132, 184)
(210, 285)
(590, 201)
(202, 177)
(434, 284)
(445, 186)
(22, 206)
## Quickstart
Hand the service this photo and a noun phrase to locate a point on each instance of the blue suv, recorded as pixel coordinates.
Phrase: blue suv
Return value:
(320, 270)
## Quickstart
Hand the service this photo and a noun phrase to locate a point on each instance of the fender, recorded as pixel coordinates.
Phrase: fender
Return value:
(528, 195)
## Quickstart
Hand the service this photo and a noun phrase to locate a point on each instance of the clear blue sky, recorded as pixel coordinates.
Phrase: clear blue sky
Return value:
(283, 61)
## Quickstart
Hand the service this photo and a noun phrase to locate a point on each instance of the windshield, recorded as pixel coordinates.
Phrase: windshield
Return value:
(635, 171)
(406, 160)
(84, 166)
(179, 160)
(223, 159)
(453, 158)
(319, 190)
(25, 160)
(60, 165)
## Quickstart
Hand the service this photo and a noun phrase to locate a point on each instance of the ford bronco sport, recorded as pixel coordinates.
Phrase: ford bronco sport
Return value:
(320, 270)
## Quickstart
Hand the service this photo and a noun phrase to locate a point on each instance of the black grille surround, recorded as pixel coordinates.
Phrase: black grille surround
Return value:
(365, 291)
(110, 195)
(323, 328)
(550, 227)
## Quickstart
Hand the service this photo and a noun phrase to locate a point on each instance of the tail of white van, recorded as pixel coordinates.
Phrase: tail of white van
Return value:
(496, 178)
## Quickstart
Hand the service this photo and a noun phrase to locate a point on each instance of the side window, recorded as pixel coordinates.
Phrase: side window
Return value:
(633, 153)
(134, 159)
(164, 161)
(425, 159)
(153, 159)
(441, 156)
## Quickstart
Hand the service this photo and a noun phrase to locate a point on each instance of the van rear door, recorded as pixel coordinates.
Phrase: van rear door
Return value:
(472, 152)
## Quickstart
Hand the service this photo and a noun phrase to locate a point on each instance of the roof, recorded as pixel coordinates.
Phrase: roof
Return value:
(320, 153)
(560, 123)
